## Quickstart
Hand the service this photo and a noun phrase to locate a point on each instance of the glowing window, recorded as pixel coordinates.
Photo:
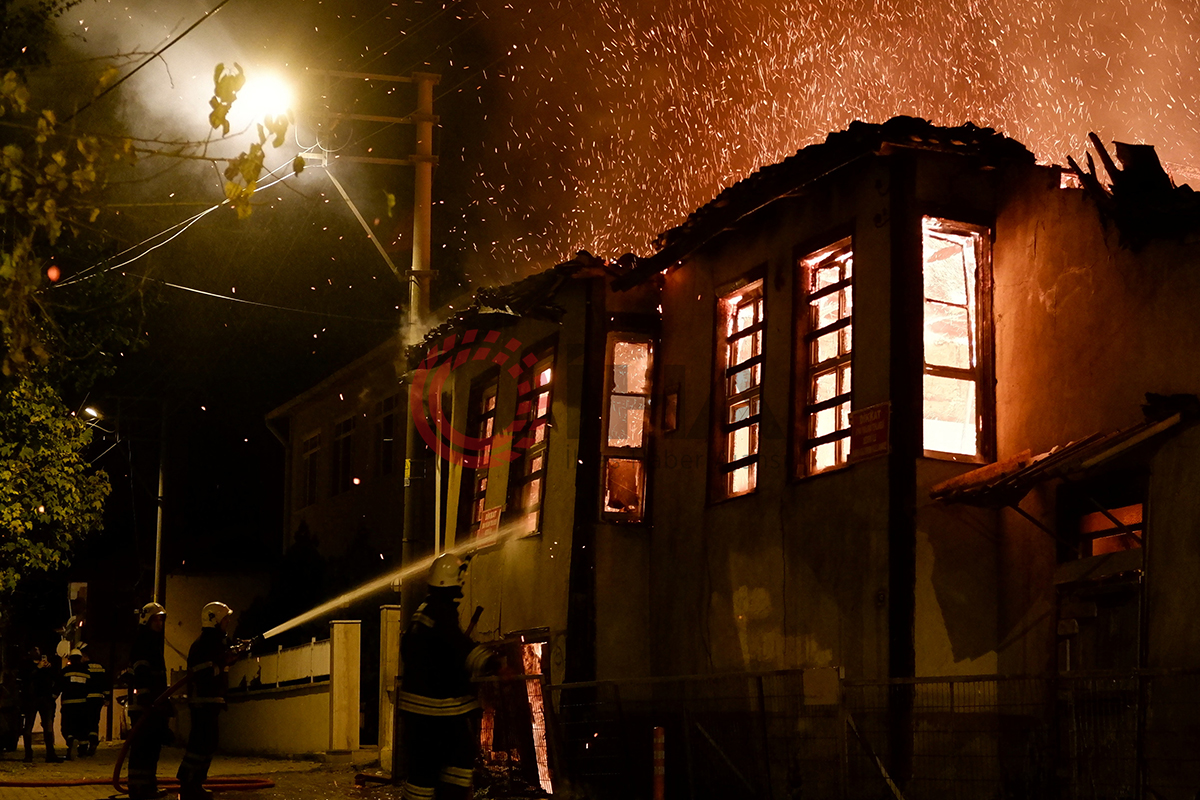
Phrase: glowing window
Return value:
(527, 486)
(827, 332)
(623, 445)
(953, 259)
(740, 363)
(481, 422)
(1111, 530)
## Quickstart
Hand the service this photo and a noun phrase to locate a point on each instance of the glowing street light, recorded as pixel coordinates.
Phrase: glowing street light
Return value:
(265, 95)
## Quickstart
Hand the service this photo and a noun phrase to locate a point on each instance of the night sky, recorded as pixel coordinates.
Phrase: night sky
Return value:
(564, 126)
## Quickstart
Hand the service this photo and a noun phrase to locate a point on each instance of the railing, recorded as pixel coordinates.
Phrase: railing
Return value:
(287, 666)
(787, 735)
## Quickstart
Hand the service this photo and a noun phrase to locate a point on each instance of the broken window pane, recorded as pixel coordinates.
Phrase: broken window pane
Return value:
(624, 486)
(950, 416)
(1098, 527)
(950, 274)
(626, 421)
(948, 337)
(631, 368)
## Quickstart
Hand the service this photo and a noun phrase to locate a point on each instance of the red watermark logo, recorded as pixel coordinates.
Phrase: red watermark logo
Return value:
(436, 428)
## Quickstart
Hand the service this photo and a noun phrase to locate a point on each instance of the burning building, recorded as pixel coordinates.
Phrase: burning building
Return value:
(897, 416)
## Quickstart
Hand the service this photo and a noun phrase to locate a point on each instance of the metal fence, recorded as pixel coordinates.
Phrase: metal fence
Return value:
(811, 735)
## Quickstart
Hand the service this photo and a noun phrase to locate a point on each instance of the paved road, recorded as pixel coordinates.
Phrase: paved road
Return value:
(294, 780)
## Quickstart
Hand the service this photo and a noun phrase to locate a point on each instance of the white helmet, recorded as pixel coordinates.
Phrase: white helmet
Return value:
(149, 612)
(212, 614)
(75, 651)
(447, 570)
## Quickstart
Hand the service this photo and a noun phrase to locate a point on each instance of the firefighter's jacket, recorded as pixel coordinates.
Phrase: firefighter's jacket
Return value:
(208, 669)
(439, 662)
(98, 688)
(148, 667)
(74, 684)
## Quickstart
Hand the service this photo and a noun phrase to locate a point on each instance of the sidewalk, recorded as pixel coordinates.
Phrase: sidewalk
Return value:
(294, 780)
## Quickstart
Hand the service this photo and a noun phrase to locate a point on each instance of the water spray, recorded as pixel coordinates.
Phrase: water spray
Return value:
(466, 550)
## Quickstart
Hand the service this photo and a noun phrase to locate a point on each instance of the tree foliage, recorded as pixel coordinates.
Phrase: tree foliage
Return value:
(49, 496)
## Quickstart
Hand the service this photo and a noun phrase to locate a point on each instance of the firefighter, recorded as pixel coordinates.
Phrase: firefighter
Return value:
(437, 699)
(73, 686)
(208, 678)
(39, 687)
(147, 683)
(98, 693)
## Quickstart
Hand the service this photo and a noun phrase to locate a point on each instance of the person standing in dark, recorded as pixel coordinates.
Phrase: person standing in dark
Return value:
(39, 681)
(98, 693)
(437, 699)
(147, 683)
(208, 678)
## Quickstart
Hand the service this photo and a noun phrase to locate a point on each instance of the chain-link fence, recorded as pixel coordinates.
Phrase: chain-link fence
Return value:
(810, 734)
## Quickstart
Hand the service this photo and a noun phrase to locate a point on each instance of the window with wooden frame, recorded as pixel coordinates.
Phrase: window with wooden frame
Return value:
(481, 426)
(527, 473)
(825, 340)
(385, 436)
(955, 272)
(342, 457)
(310, 454)
(740, 369)
(626, 416)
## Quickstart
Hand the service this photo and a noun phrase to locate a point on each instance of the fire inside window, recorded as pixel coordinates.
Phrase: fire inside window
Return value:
(828, 282)
(481, 423)
(953, 259)
(530, 469)
(341, 476)
(1111, 530)
(742, 359)
(630, 362)
(385, 435)
(310, 452)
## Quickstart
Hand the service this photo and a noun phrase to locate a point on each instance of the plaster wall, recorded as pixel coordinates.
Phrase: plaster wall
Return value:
(795, 574)
(282, 722)
(1084, 328)
(522, 583)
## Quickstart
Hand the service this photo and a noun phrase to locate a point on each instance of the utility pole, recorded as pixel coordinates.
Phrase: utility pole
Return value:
(419, 277)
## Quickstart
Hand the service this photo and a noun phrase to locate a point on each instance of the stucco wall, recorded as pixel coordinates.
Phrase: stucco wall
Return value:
(285, 722)
(1084, 328)
(794, 575)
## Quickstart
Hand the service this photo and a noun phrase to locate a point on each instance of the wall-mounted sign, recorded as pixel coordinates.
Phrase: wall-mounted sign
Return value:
(869, 432)
(489, 522)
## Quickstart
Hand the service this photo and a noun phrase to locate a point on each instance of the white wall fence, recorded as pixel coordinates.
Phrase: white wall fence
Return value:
(297, 701)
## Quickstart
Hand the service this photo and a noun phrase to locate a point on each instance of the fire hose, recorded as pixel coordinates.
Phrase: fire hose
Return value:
(230, 784)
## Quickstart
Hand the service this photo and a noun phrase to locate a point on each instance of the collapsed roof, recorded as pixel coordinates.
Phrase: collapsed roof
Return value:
(796, 172)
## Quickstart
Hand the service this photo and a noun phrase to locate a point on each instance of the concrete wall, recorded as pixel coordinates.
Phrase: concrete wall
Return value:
(285, 722)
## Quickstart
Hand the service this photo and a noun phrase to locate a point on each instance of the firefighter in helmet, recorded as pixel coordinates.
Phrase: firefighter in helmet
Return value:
(208, 667)
(436, 695)
(74, 689)
(99, 693)
(147, 683)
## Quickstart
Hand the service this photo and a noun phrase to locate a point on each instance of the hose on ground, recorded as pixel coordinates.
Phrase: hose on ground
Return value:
(230, 784)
